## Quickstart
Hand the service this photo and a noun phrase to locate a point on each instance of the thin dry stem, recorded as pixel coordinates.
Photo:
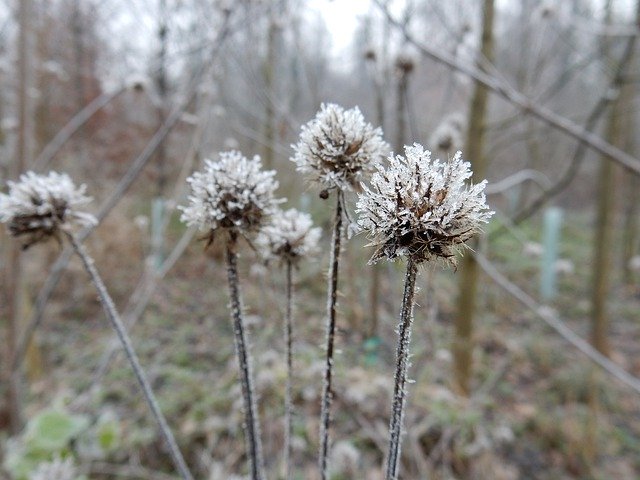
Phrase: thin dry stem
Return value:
(402, 365)
(252, 422)
(118, 326)
(288, 401)
(332, 294)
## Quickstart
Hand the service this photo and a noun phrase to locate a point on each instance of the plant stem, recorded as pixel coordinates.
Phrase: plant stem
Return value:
(288, 400)
(332, 293)
(116, 323)
(252, 423)
(402, 365)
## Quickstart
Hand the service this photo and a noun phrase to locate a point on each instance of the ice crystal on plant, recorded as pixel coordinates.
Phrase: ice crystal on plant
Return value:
(233, 193)
(338, 147)
(57, 469)
(289, 235)
(421, 207)
(37, 206)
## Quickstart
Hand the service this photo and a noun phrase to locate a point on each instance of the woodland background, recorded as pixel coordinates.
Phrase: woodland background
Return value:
(130, 97)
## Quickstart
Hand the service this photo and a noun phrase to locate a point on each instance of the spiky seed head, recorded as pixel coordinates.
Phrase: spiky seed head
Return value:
(337, 149)
(37, 207)
(288, 236)
(447, 137)
(421, 207)
(233, 193)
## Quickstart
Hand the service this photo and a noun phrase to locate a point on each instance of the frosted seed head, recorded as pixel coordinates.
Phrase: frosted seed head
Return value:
(338, 149)
(447, 138)
(289, 235)
(421, 207)
(38, 206)
(233, 193)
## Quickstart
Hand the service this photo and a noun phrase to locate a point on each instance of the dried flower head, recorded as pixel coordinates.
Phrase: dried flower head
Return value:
(338, 147)
(289, 235)
(421, 207)
(57, 469)
(38, 206)
(447, 137)
(233, 193)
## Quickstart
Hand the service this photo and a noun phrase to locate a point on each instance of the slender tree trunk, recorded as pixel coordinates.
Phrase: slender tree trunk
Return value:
(252, 422)
(632, 184)
(603, 240)
(462, 347)
(332, 296)
(81, 96)
(269, 79)
(402, 367)
(14, 288)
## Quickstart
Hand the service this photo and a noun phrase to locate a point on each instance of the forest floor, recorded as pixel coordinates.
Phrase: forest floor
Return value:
(540, 409)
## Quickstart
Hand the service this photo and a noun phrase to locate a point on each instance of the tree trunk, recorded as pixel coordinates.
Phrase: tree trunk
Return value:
(14, 287)
(605, 221)
(462, 347)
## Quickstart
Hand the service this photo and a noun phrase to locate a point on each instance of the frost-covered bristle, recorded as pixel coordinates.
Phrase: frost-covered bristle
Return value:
(232, 193)
(57, 469)
(338, 148)
(289, 235)
(37, 206)
(421, 207)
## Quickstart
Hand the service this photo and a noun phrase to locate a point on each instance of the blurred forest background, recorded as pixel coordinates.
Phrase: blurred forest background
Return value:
(526, 360)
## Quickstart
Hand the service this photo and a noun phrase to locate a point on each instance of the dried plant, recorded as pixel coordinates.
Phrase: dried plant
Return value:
(41, 207)
(234, 196)
(336, 150)
(424, 210)
(38, 206)
(288, 238)
(447, 138)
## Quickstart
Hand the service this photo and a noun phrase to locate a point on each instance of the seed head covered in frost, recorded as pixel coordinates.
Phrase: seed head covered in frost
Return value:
(447, 137)
(57, 469)
(289, 235)
(421, 207)
(338, 147)
(38, 206)
(233, 193)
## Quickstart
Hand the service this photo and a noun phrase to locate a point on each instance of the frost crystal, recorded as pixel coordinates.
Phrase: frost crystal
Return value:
(289, 236)
(57, 469)
(39, 205)
(338, 147)
(232, 193)
(421, 207)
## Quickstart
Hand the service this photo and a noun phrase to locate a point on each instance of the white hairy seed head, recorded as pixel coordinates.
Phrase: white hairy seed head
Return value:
(38, 206)
(233, 193)
(338, 148)
(421, 207)
(288, 236)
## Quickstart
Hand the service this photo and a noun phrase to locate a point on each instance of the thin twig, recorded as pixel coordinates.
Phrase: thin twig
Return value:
(252, 422)
(117, 325)
(554, 322)
(332, 295)
(136, 167)
(402, 366)
(518, 99)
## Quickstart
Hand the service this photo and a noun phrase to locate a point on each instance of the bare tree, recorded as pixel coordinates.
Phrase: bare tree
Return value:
(462, 347)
